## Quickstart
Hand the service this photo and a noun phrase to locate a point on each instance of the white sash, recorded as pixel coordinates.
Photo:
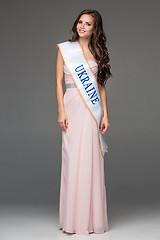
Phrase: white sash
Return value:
(85, 81)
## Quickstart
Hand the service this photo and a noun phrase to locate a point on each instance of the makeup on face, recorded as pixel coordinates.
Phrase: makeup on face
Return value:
(84, 23)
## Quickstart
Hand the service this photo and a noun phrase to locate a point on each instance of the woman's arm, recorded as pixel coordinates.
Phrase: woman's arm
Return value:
(59, 81)
(102, 92)
(105, 118)
(62, 118)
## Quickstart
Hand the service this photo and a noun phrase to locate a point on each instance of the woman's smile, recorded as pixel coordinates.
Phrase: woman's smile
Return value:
(82, 31)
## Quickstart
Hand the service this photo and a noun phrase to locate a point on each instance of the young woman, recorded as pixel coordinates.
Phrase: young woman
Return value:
(83, 118)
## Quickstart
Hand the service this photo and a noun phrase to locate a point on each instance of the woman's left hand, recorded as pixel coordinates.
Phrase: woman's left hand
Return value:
(104, 125)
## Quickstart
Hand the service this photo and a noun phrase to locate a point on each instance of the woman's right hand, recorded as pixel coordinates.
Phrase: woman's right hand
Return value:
(63, 120)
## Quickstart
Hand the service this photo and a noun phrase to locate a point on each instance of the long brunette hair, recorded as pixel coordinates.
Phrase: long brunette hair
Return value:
(97, 45)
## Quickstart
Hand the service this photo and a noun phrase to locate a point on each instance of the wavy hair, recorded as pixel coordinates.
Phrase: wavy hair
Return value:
(97, 45)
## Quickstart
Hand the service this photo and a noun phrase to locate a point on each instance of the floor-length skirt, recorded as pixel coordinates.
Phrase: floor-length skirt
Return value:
(82, 205)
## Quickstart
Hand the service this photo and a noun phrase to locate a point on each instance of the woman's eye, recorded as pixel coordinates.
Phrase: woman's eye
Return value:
(86, 23)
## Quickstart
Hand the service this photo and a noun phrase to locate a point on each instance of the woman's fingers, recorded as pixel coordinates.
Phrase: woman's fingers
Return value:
(63, 124)
(104, 127)
(66, 122)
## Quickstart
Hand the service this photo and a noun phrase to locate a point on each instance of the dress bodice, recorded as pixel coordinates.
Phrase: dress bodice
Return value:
(68, 77)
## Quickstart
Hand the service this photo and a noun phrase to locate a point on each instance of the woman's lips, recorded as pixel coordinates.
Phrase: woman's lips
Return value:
(81, 31)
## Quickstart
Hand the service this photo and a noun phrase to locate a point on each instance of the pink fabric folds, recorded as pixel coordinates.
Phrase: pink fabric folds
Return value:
(82, 205)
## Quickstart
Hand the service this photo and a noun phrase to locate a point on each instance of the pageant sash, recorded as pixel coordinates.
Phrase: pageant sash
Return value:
(85, 81)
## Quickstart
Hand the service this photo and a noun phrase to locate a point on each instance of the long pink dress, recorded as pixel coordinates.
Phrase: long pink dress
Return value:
(82, 205)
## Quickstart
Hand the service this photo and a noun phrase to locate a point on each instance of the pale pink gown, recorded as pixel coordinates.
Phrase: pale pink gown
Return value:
(82, 205)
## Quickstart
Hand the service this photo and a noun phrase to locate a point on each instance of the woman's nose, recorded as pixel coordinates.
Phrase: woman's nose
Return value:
(83, 25)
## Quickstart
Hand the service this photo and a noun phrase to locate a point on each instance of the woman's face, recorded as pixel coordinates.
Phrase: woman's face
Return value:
(85, 26)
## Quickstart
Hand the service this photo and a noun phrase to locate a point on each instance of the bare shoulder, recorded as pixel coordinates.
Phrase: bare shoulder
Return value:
(59, 56)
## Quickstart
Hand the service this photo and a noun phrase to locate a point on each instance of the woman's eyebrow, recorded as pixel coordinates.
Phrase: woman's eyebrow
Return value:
(86, 22)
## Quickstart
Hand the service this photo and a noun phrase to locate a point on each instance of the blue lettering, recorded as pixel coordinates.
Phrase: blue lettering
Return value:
(95, 100)
(87, 85)
(81, 74)
(79, 67)
(84, 80)
(91, 92)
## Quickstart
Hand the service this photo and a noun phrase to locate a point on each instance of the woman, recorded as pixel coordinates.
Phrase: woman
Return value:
(82, 207)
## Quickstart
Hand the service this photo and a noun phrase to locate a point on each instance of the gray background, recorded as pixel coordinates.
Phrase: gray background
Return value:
(30, 138)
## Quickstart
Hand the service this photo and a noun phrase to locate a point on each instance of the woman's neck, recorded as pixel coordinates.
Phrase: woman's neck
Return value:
(83, 43)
